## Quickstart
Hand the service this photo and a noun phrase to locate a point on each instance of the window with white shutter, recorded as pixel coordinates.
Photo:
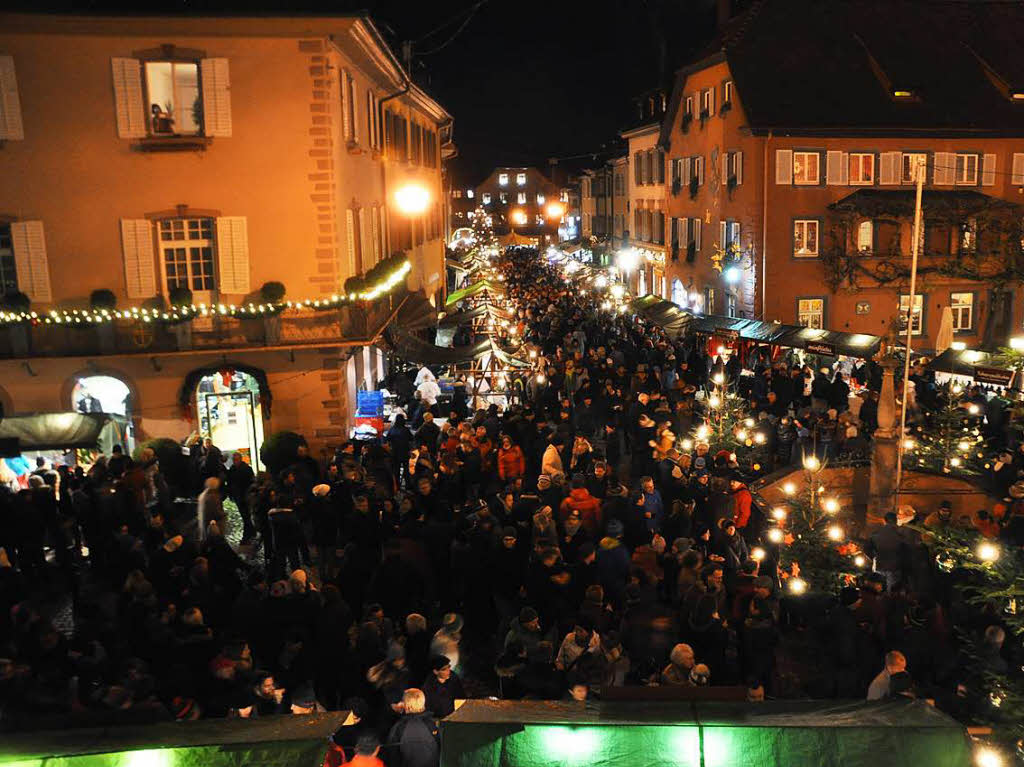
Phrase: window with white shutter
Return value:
(384, 229)
(834, 167)
(375, 219)
(11, 128)
(945, 168)
(365, 243)
(346, 105)
(723, 234)
(783, 166)
(699, 172)
(696, 226)
(350, 236)
(352, 101)
(686, 164)
(233, 255)
(139, 258)
(988, 170)
(889, 168)
(128, 99)
(1017, 169)
(216, 105)
(29, 245)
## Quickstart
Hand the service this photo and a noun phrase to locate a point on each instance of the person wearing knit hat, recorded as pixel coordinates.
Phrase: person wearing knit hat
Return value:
(321, 490)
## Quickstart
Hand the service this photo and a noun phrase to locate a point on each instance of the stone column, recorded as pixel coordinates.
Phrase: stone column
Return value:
(882, 498)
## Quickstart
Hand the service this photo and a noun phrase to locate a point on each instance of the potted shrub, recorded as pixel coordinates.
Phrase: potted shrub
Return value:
(18, 332)
(280, 450)
(272, 293)
(182, 296)
(104, 300)
(687, 119)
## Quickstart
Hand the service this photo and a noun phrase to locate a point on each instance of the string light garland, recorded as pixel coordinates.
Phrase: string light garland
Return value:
(184, 312)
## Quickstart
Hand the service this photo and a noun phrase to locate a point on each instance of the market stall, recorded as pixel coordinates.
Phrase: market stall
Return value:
(968, 366)
(66, 438)
(480, 291)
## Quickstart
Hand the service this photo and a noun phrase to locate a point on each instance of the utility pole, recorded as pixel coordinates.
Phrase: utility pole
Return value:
(407, 57)
(920, 171)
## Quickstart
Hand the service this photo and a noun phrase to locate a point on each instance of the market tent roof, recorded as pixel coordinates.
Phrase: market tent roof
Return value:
(284, 740)
(961, 362)
(751, 330)
(474, 289)
(416, 313)
(860, 345)
(701, 734)
(956, 203)
(662, 313)
(413, 349)
(58, 431)
(459, 318)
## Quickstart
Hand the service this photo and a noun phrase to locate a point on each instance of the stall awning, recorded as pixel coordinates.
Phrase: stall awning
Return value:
(662, 313)
(969, 363)
(475, 289)
(59, 431)
(901, 733)
(284, 741)
(416, 350)
(460, 318)
(833, 342)
(416, 313)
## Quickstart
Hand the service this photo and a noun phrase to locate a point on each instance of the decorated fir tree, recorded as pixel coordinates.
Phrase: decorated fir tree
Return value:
(727, 428)
(949, 441)
(483, 232)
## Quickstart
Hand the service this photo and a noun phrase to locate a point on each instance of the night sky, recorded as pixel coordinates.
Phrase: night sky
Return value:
(525, 79)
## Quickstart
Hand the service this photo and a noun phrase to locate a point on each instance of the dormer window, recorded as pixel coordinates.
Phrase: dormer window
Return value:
(503, 179)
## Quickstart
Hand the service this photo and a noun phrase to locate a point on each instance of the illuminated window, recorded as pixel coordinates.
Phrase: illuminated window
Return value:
(806, 167)
(969, 235)
(810, 312)
(706, 105)
(910, 161)
(175, 102)
(564, 195)
(709, 300)
(521, 179)
(688, 110)
(186, 251)
(521, 198)
(805, 238)
(962, 305)
(503, 197)
(865, 237)
(486, 197)
(470, 193)
(862, 168)
(727, 99)
(916, 316)
(540, 199)
(730, 305)
(967, 169)
(503, 179)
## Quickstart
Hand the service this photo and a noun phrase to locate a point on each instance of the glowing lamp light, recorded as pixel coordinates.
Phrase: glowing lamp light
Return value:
(718, 378)
(1017, 342)
(554, 210)
(789, 488)
(973, 409)
(830, 505)
(779, 513)
(600, 281)
(835, 533)
(606, 305)
(909, 444)
(964, 446)
(811, 463)
(628, 260)
(860, 560)
(757, 554)
(687, 445)
(749, 423)
(988, 757)
(412, 199)
(741, 435)
(519, 217)
(702, 432)
(759, 438)
(533, 354)
(618, 292)
(954, 462)
(775, 535)
(987, 551)
(797, 586)
(715, 401)
(732, 274)
(958, 346)
(720, 351)
(540, 378)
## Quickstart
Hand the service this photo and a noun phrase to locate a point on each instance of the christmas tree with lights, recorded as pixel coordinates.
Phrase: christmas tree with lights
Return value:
(485, 242)
(950, 440)
(726, 426)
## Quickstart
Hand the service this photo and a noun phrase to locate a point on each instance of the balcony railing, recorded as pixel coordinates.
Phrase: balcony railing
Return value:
(292, 328)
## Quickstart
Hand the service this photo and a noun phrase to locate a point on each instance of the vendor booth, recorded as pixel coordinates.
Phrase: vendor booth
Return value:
(967, 366)
(481, 291)
(901, 733)
(282, 741)
(67, 438)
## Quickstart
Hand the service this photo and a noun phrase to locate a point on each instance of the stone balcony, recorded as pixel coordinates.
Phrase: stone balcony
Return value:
(292, 328)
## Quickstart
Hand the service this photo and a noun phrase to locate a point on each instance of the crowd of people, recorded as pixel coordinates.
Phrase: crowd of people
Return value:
(550, 549)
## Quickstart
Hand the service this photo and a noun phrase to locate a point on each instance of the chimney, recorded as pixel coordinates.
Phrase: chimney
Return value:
(724, 12)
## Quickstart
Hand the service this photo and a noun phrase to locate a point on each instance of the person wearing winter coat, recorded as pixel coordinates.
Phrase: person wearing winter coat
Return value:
(587, 506)
(743, 504)
(414, 737)
(511, 462)
(613, 560)
(210, 508)
(551, 464)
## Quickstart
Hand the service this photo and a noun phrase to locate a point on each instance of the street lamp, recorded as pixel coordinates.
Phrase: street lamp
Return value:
(519, 217)
(412, 199)
(554, 210)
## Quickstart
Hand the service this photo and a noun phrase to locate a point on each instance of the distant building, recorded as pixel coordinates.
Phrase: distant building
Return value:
(793, 145)
(523, 201)
(646, 192)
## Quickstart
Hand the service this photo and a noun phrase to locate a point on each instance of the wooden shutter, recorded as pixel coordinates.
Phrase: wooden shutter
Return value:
(723, 234)
(375, 220)
(139, 257)
(988, 170)
(353, 91)
(783, 166)
(696, 233)
(737, 159)
(686, 164)
(216, 97)
(1017, 169)
(945, 168)
(684, 232)
(346, 95)
(637, 168)
(131, 111)
(11, 128)
(889, 168)
(833, 161)
(350, 227)
(30, 259)
(700, 171)
(844, 169)
(365, 243)
(384, 229)
(233, 255)
(711, 108)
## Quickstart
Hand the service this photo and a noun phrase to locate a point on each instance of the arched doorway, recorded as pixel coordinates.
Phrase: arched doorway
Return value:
(230, 413)
(105, 394)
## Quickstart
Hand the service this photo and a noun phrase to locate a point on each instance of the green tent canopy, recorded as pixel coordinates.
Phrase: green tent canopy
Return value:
(277, 741)
(474, 289)
(902, 733)
(62, 431)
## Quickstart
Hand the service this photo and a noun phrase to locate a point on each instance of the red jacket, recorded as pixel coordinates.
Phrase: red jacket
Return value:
(588, 507)
(511, 463)
(742, 501)
(335, 757)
